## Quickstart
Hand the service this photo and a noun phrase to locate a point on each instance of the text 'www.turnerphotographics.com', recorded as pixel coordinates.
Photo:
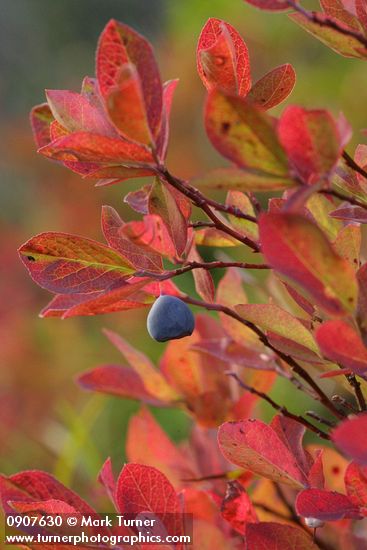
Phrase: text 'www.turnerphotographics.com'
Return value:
(108, 529)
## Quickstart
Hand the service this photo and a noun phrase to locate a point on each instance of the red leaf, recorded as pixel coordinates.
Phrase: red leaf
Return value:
(356, 485)
(147, 443)
(138, 200)
(350, 213)
(342, 43)
(163, 203)
(74, 112)
(162, 138)
(222, 58)
(253, 445)
(276, 536)
(204, 284)
(41, 119)
(141, 257)
(70, 264)
(125, 296)
(107, 479)
(118, 45)
(341, 343)
(361, 8)
(45, 507)
(39, 486)
(339, 9)
(145, 489)
(274, 87)
(119, 381)
(312, 141)
(128, 296)
(298, 249)
(153, 380)
(126, 107)
(150, 232)
(316, 476)
(325, 505)
(88, 147)
(291, 433)
(237, 508)
(348, 437)
(231, 352)
(244, 134)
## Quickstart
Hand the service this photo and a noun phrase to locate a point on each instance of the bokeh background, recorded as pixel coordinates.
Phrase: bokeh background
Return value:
(48, 422)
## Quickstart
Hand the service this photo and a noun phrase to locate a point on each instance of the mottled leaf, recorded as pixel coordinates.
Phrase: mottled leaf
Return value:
(298, 249)
(242, 180)
(272, 318)
(244, 134)
(68, 264)
(274, 87)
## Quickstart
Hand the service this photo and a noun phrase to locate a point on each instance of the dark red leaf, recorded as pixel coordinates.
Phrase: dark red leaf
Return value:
(325, 505)
(237, 508)
(348, 436)
(276, 536)
(145, 489)
(341, 343)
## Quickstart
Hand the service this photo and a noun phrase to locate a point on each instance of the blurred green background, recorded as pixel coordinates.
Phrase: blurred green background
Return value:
(47, 422)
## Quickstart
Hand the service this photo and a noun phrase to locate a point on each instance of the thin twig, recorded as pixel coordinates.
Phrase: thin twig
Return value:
(325, 21)
(357, 390)
(205, 204)
(342, 197)
(201, 224)
(280, 408)
(320, 419)
(190, 266)
(353, 165)
(223, 475)
(343, 402)
(296, 367)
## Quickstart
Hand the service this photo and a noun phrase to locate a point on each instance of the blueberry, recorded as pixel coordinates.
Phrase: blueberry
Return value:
(170, 318)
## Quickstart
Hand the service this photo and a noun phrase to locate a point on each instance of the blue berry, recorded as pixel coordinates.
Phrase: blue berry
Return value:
(169, 319)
